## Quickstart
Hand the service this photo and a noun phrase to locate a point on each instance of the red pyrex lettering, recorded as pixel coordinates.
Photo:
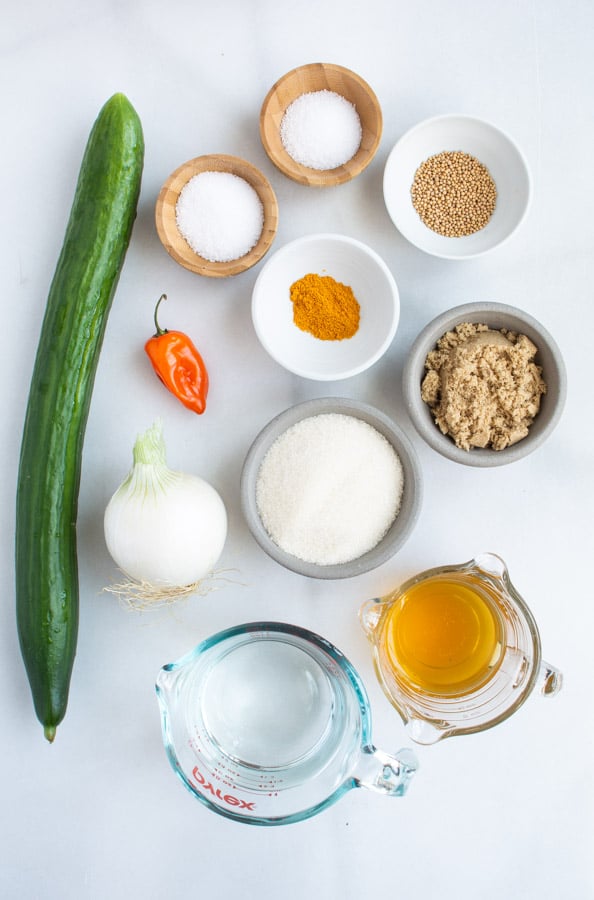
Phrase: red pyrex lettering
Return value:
(229, 799)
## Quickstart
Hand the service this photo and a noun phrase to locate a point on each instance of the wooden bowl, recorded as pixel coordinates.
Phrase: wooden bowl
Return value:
(320, 77)
(178, 247)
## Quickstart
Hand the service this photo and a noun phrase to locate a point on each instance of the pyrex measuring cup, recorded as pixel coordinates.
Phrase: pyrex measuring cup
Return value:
(268, 723)
(456, 649)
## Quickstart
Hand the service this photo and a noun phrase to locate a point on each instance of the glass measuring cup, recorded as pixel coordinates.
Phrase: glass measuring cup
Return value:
(456, 649)
(267, 723)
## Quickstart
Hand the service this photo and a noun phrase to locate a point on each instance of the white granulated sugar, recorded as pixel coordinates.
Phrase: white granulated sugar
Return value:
(321, 130)
(329, 488)
(220, 216)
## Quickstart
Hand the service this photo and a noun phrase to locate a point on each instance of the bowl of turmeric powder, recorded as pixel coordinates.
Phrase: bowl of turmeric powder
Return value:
(325, 307)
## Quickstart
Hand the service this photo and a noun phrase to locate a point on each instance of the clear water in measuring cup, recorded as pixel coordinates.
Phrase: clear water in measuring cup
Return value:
(267, 704)
(269, 723)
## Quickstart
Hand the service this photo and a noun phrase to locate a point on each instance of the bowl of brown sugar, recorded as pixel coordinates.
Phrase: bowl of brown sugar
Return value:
(325, 307)
(456, 186)
(484, 384)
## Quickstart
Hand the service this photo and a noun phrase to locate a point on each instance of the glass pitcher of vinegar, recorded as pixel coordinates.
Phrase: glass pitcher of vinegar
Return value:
(456, 649)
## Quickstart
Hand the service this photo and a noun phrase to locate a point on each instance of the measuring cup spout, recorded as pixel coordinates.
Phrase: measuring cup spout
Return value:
(165, 687)
(386, 774)
(492, 564)
(422, 731)
(369, 615)
(165, 678)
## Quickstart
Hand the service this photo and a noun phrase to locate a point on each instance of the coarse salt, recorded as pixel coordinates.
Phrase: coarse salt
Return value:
(329, 488)
(321, 130)
(220, 216)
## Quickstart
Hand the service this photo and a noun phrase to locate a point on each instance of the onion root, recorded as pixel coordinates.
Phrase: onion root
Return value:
(142, 595)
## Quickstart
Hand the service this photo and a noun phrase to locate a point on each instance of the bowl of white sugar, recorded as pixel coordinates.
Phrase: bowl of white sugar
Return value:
(321, 124)
(217, 215)
(456, 186)
(331, 488)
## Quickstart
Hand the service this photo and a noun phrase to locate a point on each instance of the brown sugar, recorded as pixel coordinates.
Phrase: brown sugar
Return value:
(483, 386)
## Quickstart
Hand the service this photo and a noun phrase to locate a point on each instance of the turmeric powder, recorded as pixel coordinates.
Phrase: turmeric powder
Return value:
(325, 307)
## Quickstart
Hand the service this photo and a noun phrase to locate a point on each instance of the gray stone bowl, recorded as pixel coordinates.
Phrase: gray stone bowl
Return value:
(496, 316)
(400, 528)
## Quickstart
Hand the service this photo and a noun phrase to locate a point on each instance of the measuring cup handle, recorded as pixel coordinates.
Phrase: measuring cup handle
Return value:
(550, 679)
(386, 774)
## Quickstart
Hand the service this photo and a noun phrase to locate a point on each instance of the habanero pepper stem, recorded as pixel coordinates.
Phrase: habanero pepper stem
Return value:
(178, 364)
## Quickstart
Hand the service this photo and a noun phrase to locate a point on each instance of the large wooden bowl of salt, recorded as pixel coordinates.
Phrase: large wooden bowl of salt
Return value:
(217, 215)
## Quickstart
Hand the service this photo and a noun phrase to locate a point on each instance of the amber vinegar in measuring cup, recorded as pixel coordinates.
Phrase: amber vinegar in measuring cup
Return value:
(456, 649)
(444, 634)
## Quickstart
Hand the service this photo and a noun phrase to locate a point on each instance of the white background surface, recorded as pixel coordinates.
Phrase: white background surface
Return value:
(507, 813)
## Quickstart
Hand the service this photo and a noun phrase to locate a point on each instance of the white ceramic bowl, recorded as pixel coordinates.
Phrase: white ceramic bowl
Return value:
(490, 146)
(348, 261)
(410, 506)
(496, 316)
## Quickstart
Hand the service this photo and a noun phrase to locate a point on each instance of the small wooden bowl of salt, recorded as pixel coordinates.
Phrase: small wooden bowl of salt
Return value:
(217, 215)
(321, 124)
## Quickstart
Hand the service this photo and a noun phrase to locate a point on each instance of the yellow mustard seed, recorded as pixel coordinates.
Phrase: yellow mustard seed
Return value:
(453, 193)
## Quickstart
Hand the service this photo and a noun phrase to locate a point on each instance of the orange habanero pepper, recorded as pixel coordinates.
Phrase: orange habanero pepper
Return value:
(179, 365)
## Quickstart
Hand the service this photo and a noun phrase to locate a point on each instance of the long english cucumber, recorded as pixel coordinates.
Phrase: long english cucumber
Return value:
(80, 296)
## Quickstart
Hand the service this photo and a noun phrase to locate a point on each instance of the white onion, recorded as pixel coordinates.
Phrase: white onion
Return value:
(164, 529)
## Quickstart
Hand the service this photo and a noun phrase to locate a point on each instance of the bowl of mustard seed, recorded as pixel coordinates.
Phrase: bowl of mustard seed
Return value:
(456, 186)
(484, 384)
(325, 307)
